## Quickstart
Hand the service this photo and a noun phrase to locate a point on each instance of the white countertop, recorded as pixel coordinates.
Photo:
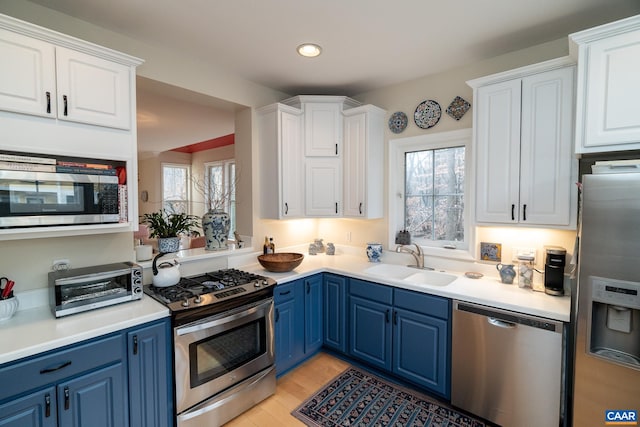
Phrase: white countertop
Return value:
(487, 290)
(35, 330)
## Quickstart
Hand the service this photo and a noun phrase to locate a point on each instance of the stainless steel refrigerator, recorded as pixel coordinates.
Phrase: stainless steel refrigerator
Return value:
(607, 304)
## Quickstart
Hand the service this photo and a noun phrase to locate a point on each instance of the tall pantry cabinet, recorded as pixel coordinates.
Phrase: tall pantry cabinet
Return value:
(523, 130)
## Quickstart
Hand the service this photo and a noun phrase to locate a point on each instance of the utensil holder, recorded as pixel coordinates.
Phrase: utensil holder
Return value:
(8, 308)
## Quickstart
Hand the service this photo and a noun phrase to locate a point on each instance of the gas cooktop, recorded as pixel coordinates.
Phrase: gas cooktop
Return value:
(210, 288)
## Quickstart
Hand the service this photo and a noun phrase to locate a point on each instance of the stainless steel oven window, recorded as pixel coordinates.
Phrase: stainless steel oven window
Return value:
(223, 353)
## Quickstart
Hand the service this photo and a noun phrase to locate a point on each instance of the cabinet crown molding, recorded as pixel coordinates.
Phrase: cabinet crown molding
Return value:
(300, 100)
(606, 30)
(552, 64)
(59, 39)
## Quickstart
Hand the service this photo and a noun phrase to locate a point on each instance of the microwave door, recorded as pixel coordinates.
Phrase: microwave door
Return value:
(41, 198)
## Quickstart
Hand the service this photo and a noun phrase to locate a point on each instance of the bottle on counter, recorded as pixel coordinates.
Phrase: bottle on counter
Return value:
(272, 246)
(265, 247)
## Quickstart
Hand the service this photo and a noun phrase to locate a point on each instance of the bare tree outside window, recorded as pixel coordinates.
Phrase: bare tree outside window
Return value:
(175, 188)
(434, 194)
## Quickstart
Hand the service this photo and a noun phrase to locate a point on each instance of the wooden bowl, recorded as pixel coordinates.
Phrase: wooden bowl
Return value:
(280, 262)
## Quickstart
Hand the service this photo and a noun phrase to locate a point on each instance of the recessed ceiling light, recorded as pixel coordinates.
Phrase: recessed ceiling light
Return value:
(309, 50)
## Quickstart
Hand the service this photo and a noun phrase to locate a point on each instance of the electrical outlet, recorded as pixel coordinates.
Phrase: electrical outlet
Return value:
(529, 252)
(348, 237)
(60, 264)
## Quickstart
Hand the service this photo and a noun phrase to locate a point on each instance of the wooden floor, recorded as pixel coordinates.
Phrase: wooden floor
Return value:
(291, 390)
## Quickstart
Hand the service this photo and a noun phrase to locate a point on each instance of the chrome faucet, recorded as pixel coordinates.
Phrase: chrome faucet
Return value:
(417, 254)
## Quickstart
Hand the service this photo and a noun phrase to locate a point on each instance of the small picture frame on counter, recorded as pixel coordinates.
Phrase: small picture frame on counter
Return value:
(491, 251)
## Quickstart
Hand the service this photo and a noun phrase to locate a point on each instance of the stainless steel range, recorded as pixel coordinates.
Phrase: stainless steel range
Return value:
(223, 344)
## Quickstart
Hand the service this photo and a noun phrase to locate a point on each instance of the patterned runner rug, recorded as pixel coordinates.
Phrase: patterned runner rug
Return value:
(358, 398)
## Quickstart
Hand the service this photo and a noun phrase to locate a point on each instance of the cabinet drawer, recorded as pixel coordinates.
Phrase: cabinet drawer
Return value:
(371, 291)
(284, 292)
(422, 303)
(58, 365)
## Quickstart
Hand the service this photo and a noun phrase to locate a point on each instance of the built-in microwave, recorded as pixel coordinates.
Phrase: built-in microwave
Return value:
(35, 199)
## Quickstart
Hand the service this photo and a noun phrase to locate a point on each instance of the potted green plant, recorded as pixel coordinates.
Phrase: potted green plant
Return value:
(168, 226)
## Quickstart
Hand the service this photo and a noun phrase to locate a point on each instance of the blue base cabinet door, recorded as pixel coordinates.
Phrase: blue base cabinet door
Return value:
(422, 340)
(335, 312)
(98, 399)
(289, 325)
(420, 344)
(312, 314)
(370, 332)
(35, 410)
(150, 376)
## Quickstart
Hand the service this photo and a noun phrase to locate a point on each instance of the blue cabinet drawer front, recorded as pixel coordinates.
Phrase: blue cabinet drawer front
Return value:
(423, 303)
(58, 365)
(284, 292)
(371, 291)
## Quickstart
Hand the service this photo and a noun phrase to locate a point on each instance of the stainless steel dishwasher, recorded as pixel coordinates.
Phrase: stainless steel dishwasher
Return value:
(506, 366)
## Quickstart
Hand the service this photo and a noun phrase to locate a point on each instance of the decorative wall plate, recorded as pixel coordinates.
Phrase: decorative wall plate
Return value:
(458, 108)
(427, 114)
(398, 122)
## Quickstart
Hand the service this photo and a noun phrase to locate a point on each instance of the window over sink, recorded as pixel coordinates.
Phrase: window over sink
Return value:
(429, 191)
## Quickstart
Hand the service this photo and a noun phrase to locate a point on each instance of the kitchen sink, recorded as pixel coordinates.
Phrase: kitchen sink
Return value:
(391, 271)
(411, 274)
(432, 278)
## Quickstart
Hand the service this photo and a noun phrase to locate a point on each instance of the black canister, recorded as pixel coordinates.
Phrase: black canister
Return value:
(554, 270)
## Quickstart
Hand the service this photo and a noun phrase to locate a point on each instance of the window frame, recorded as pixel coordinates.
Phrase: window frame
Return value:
(230, 201)
(397, 149)
(187, 167)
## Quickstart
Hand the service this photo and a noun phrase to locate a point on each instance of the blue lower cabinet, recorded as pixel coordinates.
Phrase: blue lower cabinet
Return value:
(420, 350)
(97, 399)
(120, 379)
(404, 332)
(298, 321)
(289, 325)
(370, 332)
(150, 375)
(335, 312)
(313, 314)
(34, 410)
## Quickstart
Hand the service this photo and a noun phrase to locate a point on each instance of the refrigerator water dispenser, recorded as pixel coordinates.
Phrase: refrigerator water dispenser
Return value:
(614, 321)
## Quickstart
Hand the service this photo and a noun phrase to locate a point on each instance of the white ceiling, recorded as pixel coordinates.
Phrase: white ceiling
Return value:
(367, 44)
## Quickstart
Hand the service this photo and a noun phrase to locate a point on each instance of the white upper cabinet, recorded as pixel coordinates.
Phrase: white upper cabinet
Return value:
(27, 75)
(281, 161)
(498, 152)
(93, 90)
(42, 79)
(525, 168)
(322, 129)
(363, 158)
(321, 156)
(323, 185)
(608, 86)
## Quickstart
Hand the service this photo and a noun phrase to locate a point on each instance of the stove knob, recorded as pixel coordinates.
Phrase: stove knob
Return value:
(185, 303)
(264, 282)
(197, 299)
(257, 284)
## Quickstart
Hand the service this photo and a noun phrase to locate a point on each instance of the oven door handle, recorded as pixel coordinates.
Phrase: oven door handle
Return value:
(224, 318)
